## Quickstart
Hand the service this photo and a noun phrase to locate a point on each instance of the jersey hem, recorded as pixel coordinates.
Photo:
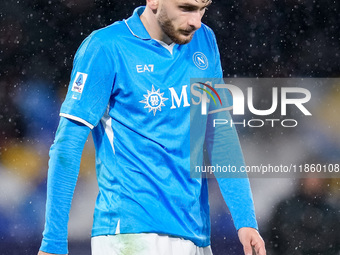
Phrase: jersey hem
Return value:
(68, 116)
(200, 242)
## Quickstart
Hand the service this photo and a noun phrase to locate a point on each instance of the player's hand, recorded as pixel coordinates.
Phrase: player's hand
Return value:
(45, 253)
(251, 239)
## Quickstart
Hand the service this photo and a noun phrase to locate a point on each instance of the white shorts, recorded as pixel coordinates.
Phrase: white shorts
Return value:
(145, 244)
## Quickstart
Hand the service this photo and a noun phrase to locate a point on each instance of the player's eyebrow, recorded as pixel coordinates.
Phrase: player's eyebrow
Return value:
(194, 7)
(208, 2)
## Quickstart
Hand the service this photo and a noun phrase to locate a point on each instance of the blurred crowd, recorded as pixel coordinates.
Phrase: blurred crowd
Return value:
(257, 38)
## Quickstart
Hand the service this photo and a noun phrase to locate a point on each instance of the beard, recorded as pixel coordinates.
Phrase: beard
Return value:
(180, 36)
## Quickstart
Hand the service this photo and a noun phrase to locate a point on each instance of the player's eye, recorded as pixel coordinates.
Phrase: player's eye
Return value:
(187, 8)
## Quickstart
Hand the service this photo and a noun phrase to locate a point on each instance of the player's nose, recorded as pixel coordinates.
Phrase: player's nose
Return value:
(195, 20)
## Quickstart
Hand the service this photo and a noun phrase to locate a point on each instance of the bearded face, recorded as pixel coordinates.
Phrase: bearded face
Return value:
(179, 19)
(176, 34)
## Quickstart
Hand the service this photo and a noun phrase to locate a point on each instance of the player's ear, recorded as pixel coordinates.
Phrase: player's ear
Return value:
(153, 4)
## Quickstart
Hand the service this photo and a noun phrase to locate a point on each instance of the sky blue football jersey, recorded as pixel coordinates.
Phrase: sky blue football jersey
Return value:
(134, 93)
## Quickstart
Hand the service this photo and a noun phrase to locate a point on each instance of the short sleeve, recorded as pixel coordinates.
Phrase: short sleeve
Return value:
(91, 83)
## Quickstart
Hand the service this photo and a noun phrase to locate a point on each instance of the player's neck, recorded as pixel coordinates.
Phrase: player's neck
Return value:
(151, 25)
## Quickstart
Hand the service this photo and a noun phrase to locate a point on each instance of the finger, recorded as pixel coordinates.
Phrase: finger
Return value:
(259, 243)
(248, 250)
(260, 248)
(261, 251)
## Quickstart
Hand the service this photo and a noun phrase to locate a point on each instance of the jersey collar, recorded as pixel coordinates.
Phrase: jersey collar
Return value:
(136, 26)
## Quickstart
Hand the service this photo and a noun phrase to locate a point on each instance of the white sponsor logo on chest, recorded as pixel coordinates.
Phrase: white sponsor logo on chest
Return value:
(144, 68)
(154, 99)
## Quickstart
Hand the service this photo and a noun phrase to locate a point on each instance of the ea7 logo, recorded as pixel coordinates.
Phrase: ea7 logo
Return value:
(144, 68)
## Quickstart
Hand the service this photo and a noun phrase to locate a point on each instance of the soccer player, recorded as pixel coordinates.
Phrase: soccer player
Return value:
(129, 85)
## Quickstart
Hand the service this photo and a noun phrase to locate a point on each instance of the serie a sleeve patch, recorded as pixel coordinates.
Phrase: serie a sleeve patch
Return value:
(78, 85)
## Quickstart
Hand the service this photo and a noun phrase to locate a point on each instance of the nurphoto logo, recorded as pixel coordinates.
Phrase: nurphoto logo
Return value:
(243, 103)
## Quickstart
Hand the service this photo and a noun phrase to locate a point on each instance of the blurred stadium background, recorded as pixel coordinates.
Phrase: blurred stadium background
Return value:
(257, 38)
